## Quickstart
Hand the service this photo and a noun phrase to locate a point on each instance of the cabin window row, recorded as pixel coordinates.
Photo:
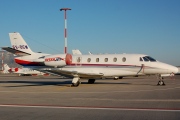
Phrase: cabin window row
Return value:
(105, 59)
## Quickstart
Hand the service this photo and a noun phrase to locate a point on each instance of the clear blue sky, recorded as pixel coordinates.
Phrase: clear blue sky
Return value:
(101, 26)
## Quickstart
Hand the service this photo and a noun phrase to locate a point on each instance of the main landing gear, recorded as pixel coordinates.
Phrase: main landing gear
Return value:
(161, 82)
(76, 81)
(116, 78)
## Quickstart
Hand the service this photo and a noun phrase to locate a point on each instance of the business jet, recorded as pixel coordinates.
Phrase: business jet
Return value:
(23, 71)
(108, 65)
(92, 66)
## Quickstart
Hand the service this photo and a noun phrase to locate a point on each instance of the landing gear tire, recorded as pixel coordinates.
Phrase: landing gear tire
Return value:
(76, 81)
(161, 82)
(116, 78)
(76, 84)
(91, 81)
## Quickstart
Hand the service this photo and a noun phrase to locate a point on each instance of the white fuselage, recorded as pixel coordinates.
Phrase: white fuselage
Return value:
(105, 65)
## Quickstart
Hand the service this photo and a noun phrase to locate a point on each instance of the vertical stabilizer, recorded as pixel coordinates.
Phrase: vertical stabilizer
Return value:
(19, 43)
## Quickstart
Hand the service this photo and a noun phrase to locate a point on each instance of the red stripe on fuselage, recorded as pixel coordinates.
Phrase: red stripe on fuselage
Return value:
(24, 62)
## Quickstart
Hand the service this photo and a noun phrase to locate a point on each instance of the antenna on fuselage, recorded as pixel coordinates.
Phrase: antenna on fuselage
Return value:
(90, 53)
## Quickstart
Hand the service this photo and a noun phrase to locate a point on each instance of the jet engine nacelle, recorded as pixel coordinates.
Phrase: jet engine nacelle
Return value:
(58, 60)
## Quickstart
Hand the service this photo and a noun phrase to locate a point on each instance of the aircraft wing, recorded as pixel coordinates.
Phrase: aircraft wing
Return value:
(14, 51)
(71, 73)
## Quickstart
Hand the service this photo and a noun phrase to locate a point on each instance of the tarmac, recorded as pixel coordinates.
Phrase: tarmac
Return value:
(52, 98)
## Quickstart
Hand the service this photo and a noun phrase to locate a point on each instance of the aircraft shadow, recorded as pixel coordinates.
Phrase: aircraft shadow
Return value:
(56, 81)
(37, 83)
(47, 83)
(34, 77)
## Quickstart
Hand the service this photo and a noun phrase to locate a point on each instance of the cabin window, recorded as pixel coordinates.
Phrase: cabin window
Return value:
(89, 60)
(115, 59)
(97, 59)
(140, 59)
(106, 60)
(145, 59)
(78, 59)
(124, 59)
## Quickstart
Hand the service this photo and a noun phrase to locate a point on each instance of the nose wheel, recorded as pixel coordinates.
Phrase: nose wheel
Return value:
(161, 82)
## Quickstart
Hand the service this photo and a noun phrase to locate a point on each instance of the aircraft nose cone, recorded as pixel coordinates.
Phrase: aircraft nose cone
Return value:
(175, 70)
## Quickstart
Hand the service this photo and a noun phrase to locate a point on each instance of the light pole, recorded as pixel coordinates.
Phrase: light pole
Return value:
(2, 56)
(65, 28)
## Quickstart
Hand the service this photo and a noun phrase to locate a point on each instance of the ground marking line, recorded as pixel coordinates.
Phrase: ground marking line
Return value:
(93, 108)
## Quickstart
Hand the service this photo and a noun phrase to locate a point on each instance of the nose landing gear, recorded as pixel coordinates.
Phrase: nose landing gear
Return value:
(160, 82)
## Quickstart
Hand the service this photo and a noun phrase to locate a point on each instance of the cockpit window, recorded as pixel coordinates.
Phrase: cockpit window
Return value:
(145, 59)
(150, 58)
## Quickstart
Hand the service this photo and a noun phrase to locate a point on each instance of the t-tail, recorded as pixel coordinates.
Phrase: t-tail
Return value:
(19, 43)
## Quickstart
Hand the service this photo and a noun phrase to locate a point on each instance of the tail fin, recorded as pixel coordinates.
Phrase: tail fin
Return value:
(19, 43)
(6, 68)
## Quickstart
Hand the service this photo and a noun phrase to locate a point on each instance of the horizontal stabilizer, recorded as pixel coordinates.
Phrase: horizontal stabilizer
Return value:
(16, 52)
